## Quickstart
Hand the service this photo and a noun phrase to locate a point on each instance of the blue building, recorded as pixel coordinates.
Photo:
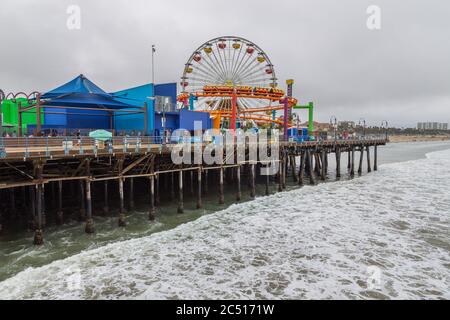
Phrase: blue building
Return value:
(162, 106)
(80, 104)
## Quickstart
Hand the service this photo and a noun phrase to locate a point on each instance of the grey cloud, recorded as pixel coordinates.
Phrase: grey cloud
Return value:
(400, 73)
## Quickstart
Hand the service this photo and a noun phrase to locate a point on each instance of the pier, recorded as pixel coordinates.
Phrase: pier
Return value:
(37, 175)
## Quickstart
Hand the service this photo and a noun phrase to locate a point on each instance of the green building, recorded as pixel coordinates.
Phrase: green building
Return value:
(10, 115)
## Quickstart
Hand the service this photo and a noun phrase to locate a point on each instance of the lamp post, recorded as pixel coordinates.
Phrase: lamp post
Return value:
(333, 123)
(363, 121)
(384, 124)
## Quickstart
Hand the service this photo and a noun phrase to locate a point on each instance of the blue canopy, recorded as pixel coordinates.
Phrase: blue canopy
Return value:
(81, 92)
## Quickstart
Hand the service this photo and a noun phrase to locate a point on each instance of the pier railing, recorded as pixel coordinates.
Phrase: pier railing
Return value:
(49, 147)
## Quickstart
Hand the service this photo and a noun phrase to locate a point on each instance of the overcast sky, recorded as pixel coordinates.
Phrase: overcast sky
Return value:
(400, 73)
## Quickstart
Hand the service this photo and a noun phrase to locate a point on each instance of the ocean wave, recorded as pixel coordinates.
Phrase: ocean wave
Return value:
(384, 235)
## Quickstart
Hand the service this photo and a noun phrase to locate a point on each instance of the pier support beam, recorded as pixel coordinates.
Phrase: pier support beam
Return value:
(82, 216)
(32, 224)
(285, 166)
(280, 173)
(352, 167)
(191, 185)
(105, 204)
(152, 210)
(349, 159)
(180, 192)
(89, 222)
(267, 191)
(131, 205)
(361, 160)
(369, 169)
(293, 168)
(324, 166)
(38, 236)
(172, 186)
(252, 181)
(338, 163)
(238, 182)
(206, 182)
(59, 213)
(375, 158)
(199, 188)
(157, 190)
(221, 196)
(121, 221)
(301, 169)
(310, 167)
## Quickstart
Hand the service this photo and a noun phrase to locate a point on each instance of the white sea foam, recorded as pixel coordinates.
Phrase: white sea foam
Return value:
(385, 235)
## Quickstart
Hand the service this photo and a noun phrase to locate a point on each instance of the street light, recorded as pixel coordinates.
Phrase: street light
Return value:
(384, 124)
(363, 121)
(333, 123)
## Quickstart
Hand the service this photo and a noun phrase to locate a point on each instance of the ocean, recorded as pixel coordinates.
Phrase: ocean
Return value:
(384, 235)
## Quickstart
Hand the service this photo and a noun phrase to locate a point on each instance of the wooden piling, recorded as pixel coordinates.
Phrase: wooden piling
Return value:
(89, 222)
(352, 168)
(32, 224)
(301, 169)
(375, 158)
(180, 192)
(172, 186)
(338, 162)
(38, 236)
(152, 210)
(324, 166)
(253, 177)
(283, 172)
(191, 184)
(131, 203)
(361, 160)
(206, 182)
(221, 195)
(310, 166)
(238, 182)
(157, 190)
(82, 215)
(349, 159)
(199, 188)
(280, 173)
(293, 168)
(105, 190)
(267, 191)
(369, 169)
(121, 221)
(59, 213)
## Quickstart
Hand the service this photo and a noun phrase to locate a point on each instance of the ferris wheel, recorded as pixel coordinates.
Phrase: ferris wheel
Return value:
(231, 62)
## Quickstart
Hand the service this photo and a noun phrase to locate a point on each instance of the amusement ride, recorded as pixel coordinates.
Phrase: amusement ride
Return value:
(234, 80)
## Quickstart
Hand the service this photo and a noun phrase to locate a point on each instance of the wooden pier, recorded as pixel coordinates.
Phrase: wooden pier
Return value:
(38, 174)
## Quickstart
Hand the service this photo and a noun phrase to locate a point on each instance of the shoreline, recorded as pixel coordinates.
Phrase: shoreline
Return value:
(418, 138)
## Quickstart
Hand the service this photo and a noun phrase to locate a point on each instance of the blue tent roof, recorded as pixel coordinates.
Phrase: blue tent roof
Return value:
(81, 92)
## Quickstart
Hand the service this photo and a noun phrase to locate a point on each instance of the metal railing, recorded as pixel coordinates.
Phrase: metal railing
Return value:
(25, 147)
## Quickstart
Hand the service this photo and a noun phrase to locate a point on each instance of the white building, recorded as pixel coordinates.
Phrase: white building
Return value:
(432, 126)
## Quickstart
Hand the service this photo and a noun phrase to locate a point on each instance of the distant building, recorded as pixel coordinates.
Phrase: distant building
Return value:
(432, 126)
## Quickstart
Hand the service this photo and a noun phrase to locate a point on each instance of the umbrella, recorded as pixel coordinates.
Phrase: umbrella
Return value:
(102, 135)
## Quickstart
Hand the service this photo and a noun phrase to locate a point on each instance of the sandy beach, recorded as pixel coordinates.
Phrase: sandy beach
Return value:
(418, 138)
